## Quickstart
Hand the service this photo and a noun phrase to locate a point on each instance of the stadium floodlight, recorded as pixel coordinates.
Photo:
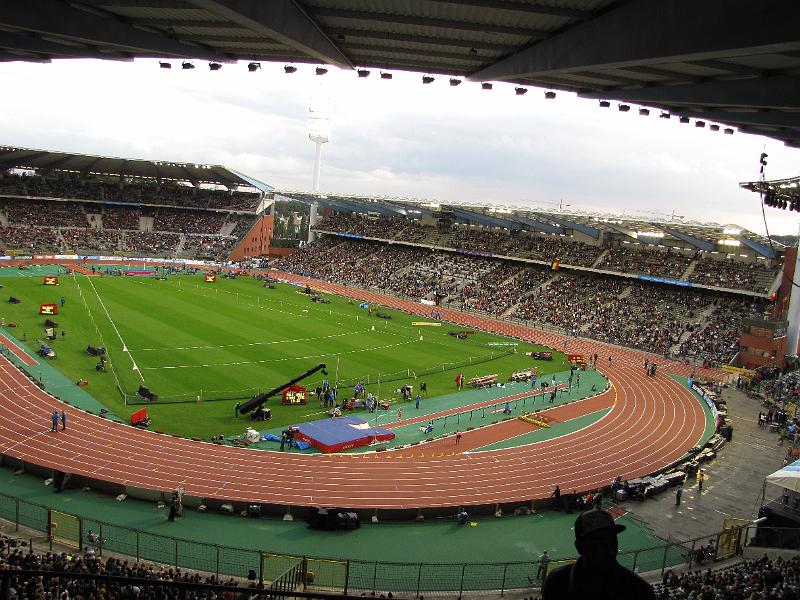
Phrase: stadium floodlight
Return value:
(699, 123)
(187, 65)
(714, 127)
(426, 79)
(604, 103)
(385, 75)
(684, 119)
(321, 70)
(664, 115)
(644, 112)
(289, 69)
(214, 66)
(520, 91)
(624, 107)
(319, 131)
(165, 65)
(486, 85)
(549, 95)
(454, 81)
(363, 73)
(253, 67)
(728, 131)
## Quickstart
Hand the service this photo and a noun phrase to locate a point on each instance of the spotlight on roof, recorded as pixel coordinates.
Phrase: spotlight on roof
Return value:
(644, 112)
(426, 79)
(664, 115)
(165, 65)
(486, 85)
(699, 123)
(728, 131)
(714, 127)
(604, 103)
(520, 91)
(385, 75)
(454, 81)
(321, 70)
(253, 67)
(187, 65)
(549, 95)
(289, 69)
(214, 66)
(624, 107)
(684, 119)
(363, 73)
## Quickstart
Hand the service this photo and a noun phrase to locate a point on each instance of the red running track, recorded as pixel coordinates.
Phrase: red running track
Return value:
(653, 423)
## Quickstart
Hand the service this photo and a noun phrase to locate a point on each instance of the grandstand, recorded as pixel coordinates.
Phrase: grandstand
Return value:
(588, 275)
(65, 203)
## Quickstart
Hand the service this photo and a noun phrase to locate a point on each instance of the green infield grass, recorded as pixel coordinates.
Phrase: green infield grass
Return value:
(201, 346)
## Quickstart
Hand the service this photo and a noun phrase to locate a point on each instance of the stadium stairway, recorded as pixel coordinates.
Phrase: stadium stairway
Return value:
(181, 244)
(702, 318)
(599, 259)
(688, 272)
(537, 290)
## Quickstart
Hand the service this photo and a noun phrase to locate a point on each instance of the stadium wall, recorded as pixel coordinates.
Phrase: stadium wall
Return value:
(256, 242)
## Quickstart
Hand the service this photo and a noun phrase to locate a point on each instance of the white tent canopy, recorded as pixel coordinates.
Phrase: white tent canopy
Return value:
(788, 477)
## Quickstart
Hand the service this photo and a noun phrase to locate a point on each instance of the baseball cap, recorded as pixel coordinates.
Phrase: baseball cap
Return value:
(592, 521)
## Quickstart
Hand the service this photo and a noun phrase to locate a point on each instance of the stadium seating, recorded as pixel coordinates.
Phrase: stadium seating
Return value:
(649, 261)
(696, 324)
(763, 578)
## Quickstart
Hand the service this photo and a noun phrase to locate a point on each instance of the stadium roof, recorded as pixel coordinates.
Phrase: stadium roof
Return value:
(197, 174)
(734, 62)
(655, 231)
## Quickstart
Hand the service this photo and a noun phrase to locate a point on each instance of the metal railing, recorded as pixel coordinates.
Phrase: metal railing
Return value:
(287, 572)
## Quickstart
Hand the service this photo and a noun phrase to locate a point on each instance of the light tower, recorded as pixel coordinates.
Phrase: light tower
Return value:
(319, 132)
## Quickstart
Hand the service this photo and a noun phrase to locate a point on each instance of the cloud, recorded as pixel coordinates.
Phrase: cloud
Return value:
(393, 137)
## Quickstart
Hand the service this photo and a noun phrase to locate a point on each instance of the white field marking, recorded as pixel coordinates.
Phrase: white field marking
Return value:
(308, 339)
(275, 360)
(124, 346)
(25, 440)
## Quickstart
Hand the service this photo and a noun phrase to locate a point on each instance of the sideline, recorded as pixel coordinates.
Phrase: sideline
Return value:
(124, 347)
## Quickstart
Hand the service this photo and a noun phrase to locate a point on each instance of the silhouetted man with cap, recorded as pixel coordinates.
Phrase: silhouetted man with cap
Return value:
(596, 574)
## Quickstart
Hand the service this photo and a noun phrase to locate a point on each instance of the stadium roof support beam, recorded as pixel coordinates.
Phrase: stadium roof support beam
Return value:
(585, 229)
(757, 247)
(450, 24)
(487, 220)
(667, 30)
(16, 42)
(281, 20)
(530, 9)
(780, 92)
(55, 18)
(690, 239)
(540, 226)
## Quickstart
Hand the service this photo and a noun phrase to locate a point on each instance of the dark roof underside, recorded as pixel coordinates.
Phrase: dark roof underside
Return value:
(734, 62)
(197, 174)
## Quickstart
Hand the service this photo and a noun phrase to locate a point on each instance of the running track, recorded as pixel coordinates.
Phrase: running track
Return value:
(653, 422)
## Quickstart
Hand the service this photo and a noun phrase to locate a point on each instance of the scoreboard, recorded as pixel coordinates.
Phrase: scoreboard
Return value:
(295, 394)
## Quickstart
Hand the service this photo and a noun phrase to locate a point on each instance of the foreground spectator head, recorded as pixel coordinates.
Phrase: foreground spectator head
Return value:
(596, 573)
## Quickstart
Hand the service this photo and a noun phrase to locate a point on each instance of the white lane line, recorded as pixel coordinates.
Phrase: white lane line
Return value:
(124, 347)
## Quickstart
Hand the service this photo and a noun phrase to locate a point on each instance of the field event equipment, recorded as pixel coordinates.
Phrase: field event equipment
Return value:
(340, 434)
(95, 350)
(145, 393)
(256, 402)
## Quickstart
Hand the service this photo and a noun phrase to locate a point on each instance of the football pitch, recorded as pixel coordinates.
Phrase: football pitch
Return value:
(204, 346)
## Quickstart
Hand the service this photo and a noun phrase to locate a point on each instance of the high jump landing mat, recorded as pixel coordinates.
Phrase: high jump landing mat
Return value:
(340, 433)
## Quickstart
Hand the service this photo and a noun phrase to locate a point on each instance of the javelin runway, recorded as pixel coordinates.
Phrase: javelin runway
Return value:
(653, 422)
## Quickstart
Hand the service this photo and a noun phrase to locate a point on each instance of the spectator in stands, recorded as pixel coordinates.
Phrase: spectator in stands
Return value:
(596, 574)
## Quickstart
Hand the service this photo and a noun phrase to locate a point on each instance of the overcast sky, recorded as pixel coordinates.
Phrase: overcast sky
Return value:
(396, 138)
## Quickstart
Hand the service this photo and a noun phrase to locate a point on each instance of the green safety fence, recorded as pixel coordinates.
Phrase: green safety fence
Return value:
(354, 576)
